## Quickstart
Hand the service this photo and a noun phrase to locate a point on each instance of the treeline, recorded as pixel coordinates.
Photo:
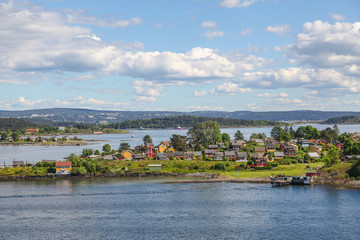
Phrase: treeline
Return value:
(343, 120)
(189, 121)
(14, 124)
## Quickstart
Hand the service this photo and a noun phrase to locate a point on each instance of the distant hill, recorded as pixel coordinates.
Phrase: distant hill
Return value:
(188, 121)
(98, 116)
(343, 120)
(13, 124)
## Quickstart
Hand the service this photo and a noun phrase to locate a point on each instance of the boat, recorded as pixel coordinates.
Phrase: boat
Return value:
(132, 135)
(141, 128)
(178, 127)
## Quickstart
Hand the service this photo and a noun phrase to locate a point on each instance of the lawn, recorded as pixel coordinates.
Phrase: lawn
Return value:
(290, 170)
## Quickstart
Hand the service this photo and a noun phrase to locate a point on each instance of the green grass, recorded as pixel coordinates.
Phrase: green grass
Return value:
(290, 170)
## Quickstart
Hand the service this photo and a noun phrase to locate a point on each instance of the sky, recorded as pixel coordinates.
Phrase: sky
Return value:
(188, 55)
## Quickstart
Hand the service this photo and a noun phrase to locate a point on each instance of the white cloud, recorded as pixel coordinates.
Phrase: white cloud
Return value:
(208, 24)
(246, 32)
(145, 99)
(200, 93)
(323, 45)
(212, 34)
(78, 102)
(337, 17)
(204, 108)
(147, 88)
(269, 95)
(158, 26)
(236, 3)
(229, 88)
(278, 29)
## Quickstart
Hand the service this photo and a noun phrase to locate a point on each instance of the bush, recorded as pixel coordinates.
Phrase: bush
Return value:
(274, 164)
(263, 168)
(294, 162)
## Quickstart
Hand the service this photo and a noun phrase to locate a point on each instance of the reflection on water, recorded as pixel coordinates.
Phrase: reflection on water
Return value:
(143, 208)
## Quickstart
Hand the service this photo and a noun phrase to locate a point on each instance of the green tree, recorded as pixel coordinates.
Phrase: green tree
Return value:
(277, 133)
(15, 136)
(178, 142)
(97, 152)
(238, 135)
(4, 136)
(124, 146)
(332, 157)
(147, 139)
(205, 133)
(225, 137)
(197, 147)
(87, 152)
(106, 148)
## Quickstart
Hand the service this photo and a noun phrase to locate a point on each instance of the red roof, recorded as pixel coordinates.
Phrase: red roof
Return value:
(64, 164)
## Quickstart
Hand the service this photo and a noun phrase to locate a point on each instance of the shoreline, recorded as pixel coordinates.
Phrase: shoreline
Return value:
(203, 178)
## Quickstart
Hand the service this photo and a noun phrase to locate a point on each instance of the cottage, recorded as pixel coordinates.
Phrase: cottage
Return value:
(197, 155)
(241, 156)
(304, 143)
(218, 156)
(155, 167)
(320, 141)
(270, 147)
(338, 144)
(189, 155)
(230, 154)
(162, 148)
(221, 145)
(127, 154)
(259, 150)
(178, 154)
(31, 131)
(108, 157)
(210, 152)
(162, 156)
(150, 153)
(316, 148)
(254, 155)
(63, 168)
(213, 147)
(290, 151)
(138, 157)
(279, 155)
(258, 141)
(165, 143)
(17, 163)
(313, 155)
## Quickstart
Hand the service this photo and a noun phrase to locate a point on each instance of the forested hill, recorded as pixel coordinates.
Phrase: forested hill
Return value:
(13, 124)
(188, 121)
(343, 120)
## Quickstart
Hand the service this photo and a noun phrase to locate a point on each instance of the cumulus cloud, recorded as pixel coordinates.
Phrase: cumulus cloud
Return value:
(200, 93)
(208, 24)
(78, 102)
(229, 88)
(278, 29)
(145, 99)
(337, 17)
(325, 45)
(236, 3)
(273, 95)
(204, 108)
(212, 34)
(246, 32)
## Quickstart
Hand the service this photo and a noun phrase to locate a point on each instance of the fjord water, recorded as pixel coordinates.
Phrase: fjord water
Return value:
(145, 208)
(33, 154)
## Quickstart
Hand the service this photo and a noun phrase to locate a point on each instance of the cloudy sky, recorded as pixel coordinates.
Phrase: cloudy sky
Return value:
(188, 55)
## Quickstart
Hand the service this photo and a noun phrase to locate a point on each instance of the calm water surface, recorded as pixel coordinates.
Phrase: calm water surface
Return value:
(33, 154)
(146, 209)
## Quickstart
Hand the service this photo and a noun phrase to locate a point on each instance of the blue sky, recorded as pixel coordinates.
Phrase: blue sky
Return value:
(189, 55)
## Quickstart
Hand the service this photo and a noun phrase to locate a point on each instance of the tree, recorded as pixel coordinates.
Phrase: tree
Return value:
(238, 135)
(97, 152)
(277, 133)
(209, 133)
(87, 152)
(124, 146)
(178, 142)
(15, 136)
(147, 139)
(332, 157)
(4, 136)
(225, 137)
(106, 148)
(197, 147)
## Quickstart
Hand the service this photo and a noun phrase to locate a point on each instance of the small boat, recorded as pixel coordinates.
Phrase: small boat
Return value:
(178, 127)
(141, 128)
(132, 135)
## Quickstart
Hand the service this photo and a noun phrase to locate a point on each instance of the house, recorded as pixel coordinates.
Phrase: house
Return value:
(218, 156)
(320, 141)
(165, 143)
(155, 167)
(18, 163)
(210, 152)
(189, 155)
(162, 148)
(259, 150)
(241, 156)
(213, 147)
(63, 167)
(238, 144)
(150, 153)
(61, 128)
(338, 144)
(197, 155)
(230, 154)
(162, 156)
(127, 154)
(313, 155)
(316, 148)
(138, 157)
(270, 147)
(150, 145)
(254, 155)
(108, 157)
(178, 154)
(279, 155)
(221, 145)
(304, 143)
(258, 141)
(290, 151)
(293, 145)
(31, 131)
(261, 161)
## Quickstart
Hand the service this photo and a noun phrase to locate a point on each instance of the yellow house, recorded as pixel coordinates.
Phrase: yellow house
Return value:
(127, 154)
(63, 167)
(162, 148)
(171, 150)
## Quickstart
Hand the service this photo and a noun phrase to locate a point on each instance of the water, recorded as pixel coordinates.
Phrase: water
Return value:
(135, 208)
(33, 154)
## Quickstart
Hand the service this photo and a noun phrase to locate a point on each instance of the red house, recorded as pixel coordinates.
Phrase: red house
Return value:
(150, 153)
